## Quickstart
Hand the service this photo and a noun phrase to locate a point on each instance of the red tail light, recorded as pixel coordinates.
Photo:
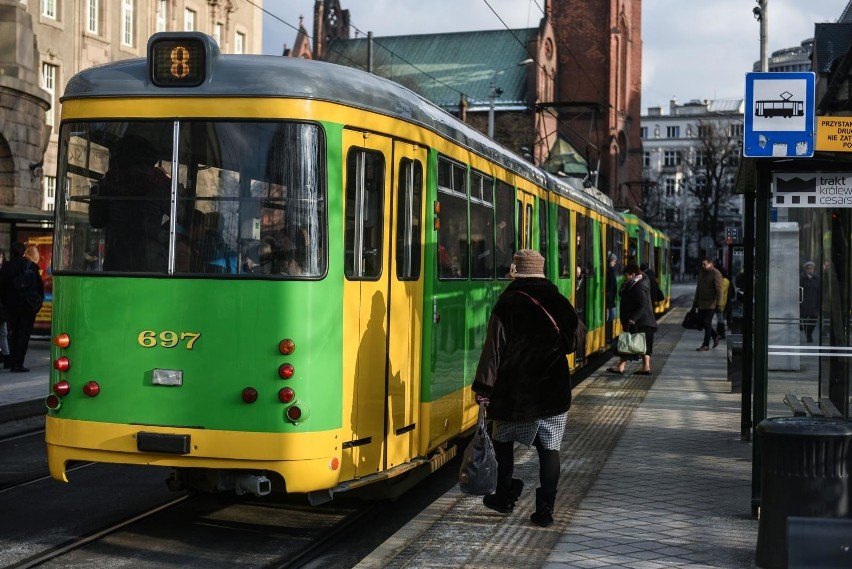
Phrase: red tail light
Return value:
(294, 413)
(62, 364)
(92, 389)
(249, 394)
(61, 388)
(286, 371)
(286, 394)
(286, 346)
(62, 340)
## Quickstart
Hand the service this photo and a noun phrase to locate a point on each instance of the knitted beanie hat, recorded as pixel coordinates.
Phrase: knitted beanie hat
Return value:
(612, 257)
(527, 263)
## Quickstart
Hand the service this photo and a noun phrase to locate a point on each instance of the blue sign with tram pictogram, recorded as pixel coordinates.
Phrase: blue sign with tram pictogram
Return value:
(779, 115)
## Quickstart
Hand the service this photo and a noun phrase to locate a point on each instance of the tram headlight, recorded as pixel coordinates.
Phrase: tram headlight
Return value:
(52, 402)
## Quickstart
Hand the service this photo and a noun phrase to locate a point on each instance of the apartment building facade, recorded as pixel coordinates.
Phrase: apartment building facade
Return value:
(45, 42)
(691, 153)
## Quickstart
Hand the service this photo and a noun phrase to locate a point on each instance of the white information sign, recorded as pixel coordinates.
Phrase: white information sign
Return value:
(812, 189)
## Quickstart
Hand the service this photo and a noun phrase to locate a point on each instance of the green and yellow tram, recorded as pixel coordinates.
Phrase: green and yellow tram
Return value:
(273, 274)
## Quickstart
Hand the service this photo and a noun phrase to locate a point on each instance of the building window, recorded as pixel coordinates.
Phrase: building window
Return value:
(127, 22)
(671, 184)
(48, 83)
(162, 15)
(48, 9)
(705, 131)
(671, 158)
(736, 130)
(92, 16)
(217, 33)
(646, 159)
(643, 132)
(672, 132)
(670, 215)
(49, 192)
(189, 20)
(240, 43)
(700, 159)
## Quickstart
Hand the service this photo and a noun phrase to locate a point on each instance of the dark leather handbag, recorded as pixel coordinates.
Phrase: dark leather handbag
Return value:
(692, 321)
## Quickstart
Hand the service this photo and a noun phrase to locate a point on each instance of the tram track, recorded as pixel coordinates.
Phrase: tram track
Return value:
(75, 544)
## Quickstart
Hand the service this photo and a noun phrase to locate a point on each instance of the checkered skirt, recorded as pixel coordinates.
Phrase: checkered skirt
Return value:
(549, 430)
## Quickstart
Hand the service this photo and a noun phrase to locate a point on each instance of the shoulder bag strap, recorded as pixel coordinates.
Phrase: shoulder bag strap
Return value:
(552, 321)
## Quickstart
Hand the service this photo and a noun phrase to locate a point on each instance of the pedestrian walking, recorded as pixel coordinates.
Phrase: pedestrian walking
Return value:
(22, 293)
(637, 314)
(707, 300)
(611, 291)
(523, 375)
(809, 305)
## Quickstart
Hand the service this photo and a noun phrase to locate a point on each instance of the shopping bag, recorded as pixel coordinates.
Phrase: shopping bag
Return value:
(631, 343)
(692, 321)
(478, 472)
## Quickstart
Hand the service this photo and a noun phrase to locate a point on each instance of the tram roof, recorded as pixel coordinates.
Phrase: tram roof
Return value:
(286, 77)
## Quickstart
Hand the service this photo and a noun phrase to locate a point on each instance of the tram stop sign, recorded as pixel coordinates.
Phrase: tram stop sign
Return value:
(779, 115)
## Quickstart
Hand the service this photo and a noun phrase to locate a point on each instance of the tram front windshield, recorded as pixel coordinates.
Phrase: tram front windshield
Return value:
(233, 198)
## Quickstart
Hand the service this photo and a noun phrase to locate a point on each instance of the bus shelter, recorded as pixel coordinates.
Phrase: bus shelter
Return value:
(797, 264)
(33, 227)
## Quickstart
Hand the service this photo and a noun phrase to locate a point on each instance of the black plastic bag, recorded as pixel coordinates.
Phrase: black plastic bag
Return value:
(478, 472)
(692, 321)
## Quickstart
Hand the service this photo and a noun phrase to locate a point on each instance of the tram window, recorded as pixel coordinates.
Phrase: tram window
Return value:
(261, 215)
(240, 193)
(481, 226)
(452, 257)
(365, 174)
(563, 242)
(505, 233)
(408, 233)
(542, 231)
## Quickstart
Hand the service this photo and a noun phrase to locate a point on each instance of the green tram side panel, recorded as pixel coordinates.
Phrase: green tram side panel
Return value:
(239, 327)
(451, 346)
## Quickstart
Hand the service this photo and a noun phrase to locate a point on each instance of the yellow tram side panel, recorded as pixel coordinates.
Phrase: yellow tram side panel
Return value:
(302, 459)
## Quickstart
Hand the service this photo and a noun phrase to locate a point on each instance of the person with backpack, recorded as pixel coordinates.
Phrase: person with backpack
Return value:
(22, 293)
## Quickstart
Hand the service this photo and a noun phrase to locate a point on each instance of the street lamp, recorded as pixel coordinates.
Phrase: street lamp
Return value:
(761, 15)
(494, 92)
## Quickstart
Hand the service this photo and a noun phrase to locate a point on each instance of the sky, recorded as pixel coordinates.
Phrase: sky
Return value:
(692, 49)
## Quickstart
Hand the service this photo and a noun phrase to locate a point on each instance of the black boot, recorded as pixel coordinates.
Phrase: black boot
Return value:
(7, 361)
(502, 500)
(543, 515)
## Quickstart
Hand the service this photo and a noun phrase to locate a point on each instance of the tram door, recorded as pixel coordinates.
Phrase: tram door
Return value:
(809, 340)
(526, 220)
(367, 183)
(406, 303)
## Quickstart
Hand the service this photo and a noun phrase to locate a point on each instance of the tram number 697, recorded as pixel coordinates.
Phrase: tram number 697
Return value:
(167, 338)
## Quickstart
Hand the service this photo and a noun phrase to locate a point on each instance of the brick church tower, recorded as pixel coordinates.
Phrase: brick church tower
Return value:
(599, 90)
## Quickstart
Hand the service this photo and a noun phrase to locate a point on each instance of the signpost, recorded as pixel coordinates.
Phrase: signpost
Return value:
(779, 115)
(834, 134)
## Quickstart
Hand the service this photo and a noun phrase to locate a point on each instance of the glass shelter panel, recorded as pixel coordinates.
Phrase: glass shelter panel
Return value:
(808, 285)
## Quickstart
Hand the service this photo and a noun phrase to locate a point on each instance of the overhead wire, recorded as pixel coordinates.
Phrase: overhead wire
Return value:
(396, 55)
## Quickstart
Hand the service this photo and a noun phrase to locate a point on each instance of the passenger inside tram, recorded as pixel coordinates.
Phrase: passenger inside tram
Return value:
(130, 203)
